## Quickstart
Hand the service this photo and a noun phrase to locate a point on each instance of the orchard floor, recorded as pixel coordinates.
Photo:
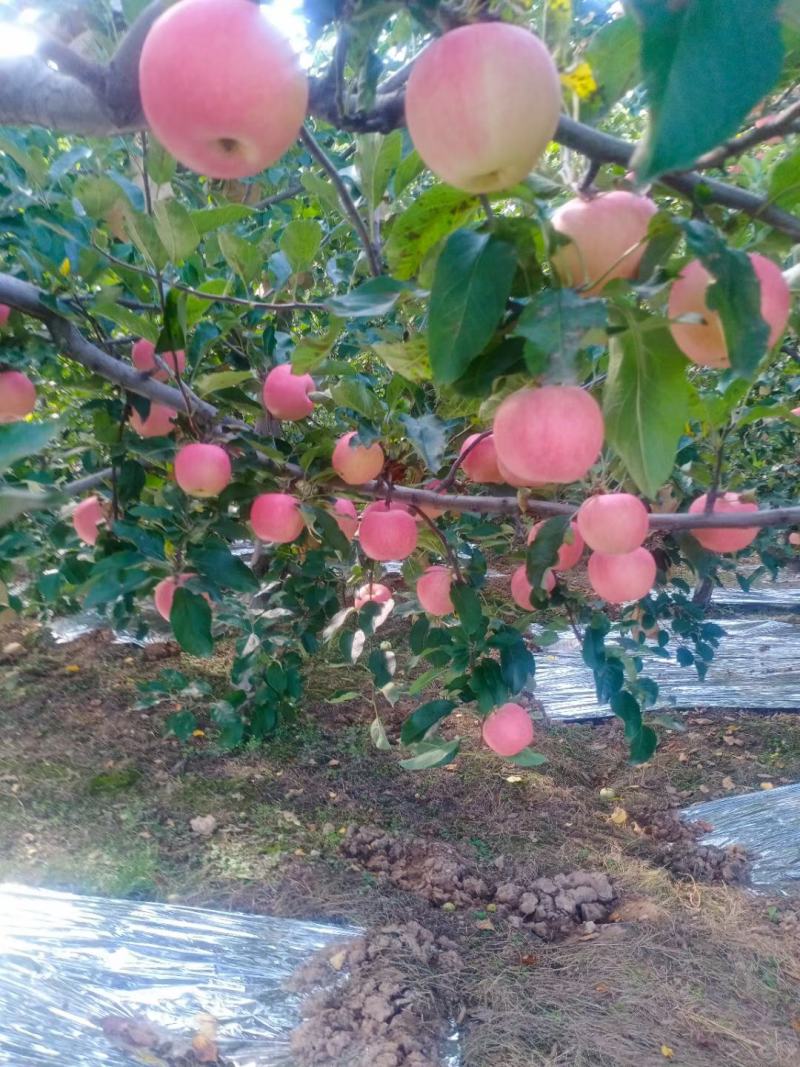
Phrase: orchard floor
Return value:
(94, 799)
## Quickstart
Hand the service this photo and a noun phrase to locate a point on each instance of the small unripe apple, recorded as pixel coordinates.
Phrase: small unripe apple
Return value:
(221, 88)
(521, 588)
(276, 517)
(482, 103)
(159, 421)
(613, 522)
(87, 517)
(508, 730)
(17, 396)
(480, 463)
(704, 342)
(720, 538)
(433, 591)
(356, 464)
(344, 512)
(372, 592)
(143, 355)
(285, 394)
(202, 470)
(387, 532)
(607, 238)
(164, 593)
(5, 313)
(627, 576)
(552, 434)
(569, 553)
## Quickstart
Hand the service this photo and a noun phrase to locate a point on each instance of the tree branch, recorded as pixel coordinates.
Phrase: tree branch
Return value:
(777, 125)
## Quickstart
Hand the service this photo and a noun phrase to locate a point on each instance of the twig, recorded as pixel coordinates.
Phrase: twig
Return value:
(775, 126)
(713, 492)
(347, 202)
(448, 551)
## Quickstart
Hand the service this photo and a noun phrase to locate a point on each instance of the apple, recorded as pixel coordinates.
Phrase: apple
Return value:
(387, 531)
(221, 88)
(482, 103)
(508, 730)
(622, 577)
(570, 552)
(721, 538)
(607, 238)
(521, 588)
(164, 593)
(613, 523)
(344, 512)
(285, 394)
(276, 517)
(356, 464)
(17, 396)
(86, 518)
(480, 463)
(202, 470)
(159, 421)
(550, 434)
(433, 591)
(372, 592)
(430, 509)
(5, 313)
(704, 342)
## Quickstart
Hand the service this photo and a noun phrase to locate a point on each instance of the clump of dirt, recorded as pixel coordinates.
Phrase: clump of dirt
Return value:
(677, 847)
(550, 907)
(385, 1013)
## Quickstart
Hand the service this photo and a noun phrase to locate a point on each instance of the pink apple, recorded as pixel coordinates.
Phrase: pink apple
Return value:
(17, 396)
(721, 538)
(480, 463)
(143, 355)
(276, 517)
(87, 517)
(221, 88)
(159, 421)
(164, 593)
(356, 464)
(552, 434)
(607, 238)
(482, 104)
(285, 394)
(344, 512)
(508, 730)
(570, 551)
(613, 522)
(704, 342)
(202, 470)
(521, 588)
(623, 577)
(387, 532)
(5, 312)
(372, 592)
(433, 591)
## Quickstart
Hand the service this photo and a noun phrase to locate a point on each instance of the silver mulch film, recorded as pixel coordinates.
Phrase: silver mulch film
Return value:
(757, 665)
(767, 824)
(67, 962)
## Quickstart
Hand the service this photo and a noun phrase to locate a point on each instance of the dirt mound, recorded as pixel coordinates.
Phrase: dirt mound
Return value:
(674, 844)
(549, 907)
(385, 1013)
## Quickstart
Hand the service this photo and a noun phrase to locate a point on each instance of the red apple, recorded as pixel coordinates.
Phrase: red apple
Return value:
(164, 593)
(5, 312)
(508, 730)
(221, 88)
(17, 396)
(159, 421)
(285, 394)
(480, 463)
(613, 522)
(433, 591)
(202, 470)
(86, 518)
(521, 588)
(721, 538)
(623, 577)
(276, 517)
(356, 464)
(372, 592)
(143, 355)
(344, 512)
(482, 104)
(569, 553)
(387, 532)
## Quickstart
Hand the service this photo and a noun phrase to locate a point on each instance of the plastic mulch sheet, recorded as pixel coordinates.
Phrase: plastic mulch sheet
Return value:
(67, 963)
(781, 596)
(757, 665)
(767, 824)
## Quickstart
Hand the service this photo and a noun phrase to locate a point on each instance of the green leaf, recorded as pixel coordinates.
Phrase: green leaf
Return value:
(377, 732)
(138, 325)
(353, 394)
(428, 436)
(430, 754)
(432, 216)
(518, 665)
(142, 232)
(542, 554)
(161, 166)
(706, 63)
(626, 707)
(175, 229)
(554, 325)
(190, 619)
(315, 350)
(379, 665)
(528, 758)
(468, 608)
(377, 158)
(207, 384)
(300, 243)
(488, 685)
(406, 358)
(16, 502)
(218, 563)
(376, 297)
(643, 746)
(211, 218)
(149, 543)
(784, 186)
(242, 256)
(613, 55)
(646, 403)
(181, 725)
(420, 721)
(21, 439)
(97, 195)
(470, 288)
(735, 294)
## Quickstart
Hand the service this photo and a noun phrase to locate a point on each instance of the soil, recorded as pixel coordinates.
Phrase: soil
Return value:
(646, 941)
